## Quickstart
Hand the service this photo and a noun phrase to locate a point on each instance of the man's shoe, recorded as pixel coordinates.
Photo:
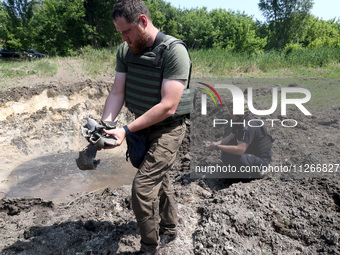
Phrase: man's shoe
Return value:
(147, 253)
(166, 238)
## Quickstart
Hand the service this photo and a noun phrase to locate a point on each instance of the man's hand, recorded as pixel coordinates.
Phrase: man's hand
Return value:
(210, 145)
(118, 133)
(108, 124)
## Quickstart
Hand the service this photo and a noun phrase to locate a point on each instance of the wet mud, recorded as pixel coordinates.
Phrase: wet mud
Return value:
(54, 177)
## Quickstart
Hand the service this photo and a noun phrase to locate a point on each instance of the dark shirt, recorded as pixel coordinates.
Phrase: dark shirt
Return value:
(250, 134)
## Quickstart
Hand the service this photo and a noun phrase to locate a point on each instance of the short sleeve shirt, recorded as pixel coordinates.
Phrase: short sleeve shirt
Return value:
(246, 133)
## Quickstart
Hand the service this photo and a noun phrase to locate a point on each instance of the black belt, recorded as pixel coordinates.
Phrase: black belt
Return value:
(175, 123)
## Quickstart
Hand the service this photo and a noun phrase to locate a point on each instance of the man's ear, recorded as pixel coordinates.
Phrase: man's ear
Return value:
(143, 20)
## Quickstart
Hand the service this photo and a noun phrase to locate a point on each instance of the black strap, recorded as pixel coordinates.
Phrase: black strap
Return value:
(159, 38)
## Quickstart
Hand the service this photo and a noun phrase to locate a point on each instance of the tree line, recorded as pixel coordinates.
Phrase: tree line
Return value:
(61, 27)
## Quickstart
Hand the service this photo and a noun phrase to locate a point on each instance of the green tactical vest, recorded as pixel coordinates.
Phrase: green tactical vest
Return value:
(144, 80)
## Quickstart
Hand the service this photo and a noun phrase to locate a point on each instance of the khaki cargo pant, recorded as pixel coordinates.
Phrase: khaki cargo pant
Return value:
(152, 197)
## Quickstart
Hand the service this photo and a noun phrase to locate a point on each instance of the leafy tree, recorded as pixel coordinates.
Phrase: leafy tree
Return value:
(3, 25)
(321, 33)
(196, 28)
(236, 31)
(164, 16)
(98, 17)
(287, 20)
(60, 26)
(19, 14)
(156, 12)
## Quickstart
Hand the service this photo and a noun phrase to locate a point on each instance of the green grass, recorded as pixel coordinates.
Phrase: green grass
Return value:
(315, 70)
(321, 62)
(321, 95)
(324, 92)
(97, 62)
(41, 67)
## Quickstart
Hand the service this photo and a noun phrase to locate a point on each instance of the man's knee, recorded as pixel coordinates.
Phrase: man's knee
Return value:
(250, 160)
(229, 159)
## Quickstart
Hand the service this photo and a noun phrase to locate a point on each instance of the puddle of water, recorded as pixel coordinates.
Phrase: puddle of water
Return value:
(54, 177)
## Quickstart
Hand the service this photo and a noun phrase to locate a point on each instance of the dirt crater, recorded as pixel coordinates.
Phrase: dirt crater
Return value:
(274, 215)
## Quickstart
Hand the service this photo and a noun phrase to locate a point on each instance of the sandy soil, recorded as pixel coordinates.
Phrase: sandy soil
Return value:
(280, 214)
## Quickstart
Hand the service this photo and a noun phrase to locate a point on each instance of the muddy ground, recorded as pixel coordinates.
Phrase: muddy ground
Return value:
(279, 214)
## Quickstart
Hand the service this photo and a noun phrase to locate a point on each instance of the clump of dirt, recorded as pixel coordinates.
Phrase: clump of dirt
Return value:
(280, 214)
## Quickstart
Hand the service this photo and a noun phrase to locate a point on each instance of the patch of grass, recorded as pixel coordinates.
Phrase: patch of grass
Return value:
(215, 63)
(320, 62)
(46, 67)
(324, 91)
(98, 61)
(41, 67)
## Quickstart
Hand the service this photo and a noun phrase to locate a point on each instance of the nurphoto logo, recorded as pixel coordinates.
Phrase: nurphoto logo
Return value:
(204, 97)
(239, 102)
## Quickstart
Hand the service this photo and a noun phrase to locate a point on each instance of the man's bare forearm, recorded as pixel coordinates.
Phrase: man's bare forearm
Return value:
(115, 100)
(227, 139)
(113, 105)
(155, 115)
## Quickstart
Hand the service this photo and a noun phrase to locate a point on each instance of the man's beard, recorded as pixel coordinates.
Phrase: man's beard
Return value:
(140, 44)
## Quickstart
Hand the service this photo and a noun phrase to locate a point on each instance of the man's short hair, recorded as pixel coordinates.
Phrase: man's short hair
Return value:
(130, 9)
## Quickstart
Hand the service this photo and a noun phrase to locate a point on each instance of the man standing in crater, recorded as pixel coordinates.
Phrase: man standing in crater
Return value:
(152, 72)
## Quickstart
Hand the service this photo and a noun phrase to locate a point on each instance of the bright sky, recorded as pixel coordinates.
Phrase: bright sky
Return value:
(324, 9)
